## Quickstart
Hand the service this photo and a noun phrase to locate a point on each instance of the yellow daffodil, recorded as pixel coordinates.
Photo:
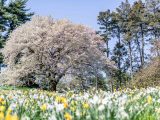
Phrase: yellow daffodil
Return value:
(2, 108)
(67, 116)
(3, 102)
(85, 105)
(69, 94)
(14, 117)
(1, 115)
(9, 110)
(65, 105)
(11, 117)
(83, 113)
(63, 100)
(1, 99)
(73, 109)
(149, 99)
(60, 99)
(73, 102)
(44, 107)
(57, 99)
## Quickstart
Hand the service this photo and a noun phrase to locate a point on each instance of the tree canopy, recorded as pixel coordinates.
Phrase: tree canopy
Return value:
(45, 50)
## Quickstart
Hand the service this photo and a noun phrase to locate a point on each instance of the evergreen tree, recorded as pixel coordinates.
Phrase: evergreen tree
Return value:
(2, 25)
(113, 24)
(122, 22)
(105, 22)
(12, 15)
(153, 12)
(139, 16)
(134, 27)
(119, 52)
(18, 14)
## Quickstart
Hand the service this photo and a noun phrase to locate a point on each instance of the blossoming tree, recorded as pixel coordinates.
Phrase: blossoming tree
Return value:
(45, 50)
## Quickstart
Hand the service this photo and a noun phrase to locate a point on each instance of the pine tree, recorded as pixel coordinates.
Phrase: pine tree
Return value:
(120, 52)
(117, 54)
(113, 25)
(134, 26)
(12, 15)
(153, 12)
(124, 33)
(2, 26)
(139, 17)
(105, 22)
(18, 14)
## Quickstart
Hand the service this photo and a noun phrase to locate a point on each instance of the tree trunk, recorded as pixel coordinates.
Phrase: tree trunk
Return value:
(139, 50)
(156, 46)
(54, 79)
(119, 59)
(107, 49)
(142, 49)
(53, 85)
(130, 55)
(0, 67)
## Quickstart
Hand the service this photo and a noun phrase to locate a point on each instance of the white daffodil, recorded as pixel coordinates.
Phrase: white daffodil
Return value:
(101, 107)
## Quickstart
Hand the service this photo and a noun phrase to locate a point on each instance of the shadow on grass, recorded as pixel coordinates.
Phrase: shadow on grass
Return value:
(14, 88)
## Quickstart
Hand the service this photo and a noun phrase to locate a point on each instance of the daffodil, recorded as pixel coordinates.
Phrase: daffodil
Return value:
(73, 109)
(85, 105)
(14, 117)
(2, 108)
(63, 100)
(65, 105)
(1, 99)
(1, 115)
(9, 110)
(73, 102)
(44, 107)
(57, 99)
(3, 102)
(11, 117)
(149, 99)
(67, 116)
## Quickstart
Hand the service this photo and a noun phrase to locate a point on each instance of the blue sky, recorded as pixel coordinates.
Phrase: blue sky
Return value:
(78, 11)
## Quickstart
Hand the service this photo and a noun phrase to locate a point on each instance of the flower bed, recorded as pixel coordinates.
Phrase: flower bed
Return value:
(143, 104)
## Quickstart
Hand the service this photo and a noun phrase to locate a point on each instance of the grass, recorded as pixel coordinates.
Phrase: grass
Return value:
(14, 88)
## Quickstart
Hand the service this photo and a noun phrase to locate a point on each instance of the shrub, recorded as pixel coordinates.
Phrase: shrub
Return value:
(149, 76)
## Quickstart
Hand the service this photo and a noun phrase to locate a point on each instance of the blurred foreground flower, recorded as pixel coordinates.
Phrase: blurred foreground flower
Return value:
(149, 99)
(67, 116)
(44, 107)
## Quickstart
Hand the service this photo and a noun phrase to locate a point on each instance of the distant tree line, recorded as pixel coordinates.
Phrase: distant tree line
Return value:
(136, 29)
